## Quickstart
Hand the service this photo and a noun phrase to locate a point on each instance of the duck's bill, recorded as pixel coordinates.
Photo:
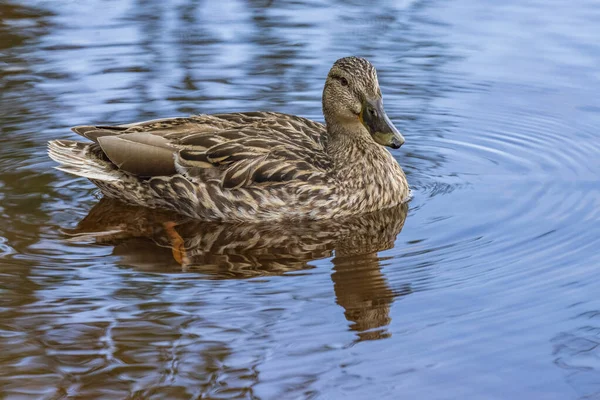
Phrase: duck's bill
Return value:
(378, 124)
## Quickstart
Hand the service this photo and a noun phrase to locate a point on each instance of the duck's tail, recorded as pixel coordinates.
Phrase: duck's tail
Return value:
(77, 158)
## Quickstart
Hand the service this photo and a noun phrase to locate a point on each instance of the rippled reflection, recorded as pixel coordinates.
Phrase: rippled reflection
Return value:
(153, 240)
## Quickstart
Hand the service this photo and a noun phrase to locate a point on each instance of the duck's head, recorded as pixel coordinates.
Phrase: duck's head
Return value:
(352, 101)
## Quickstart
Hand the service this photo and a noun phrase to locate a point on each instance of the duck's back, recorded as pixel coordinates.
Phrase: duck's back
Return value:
(221, 166)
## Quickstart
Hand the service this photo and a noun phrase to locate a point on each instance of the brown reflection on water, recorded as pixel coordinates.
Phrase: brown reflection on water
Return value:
(364, 293)
(158, 241)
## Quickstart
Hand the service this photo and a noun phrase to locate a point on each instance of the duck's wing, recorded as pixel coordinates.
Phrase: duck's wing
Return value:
(240, 149)
(259, 154)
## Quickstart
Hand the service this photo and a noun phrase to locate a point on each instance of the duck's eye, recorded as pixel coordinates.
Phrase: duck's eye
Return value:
(372, 112)
(344, 81)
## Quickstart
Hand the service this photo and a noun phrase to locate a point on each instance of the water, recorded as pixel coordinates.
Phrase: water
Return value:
(486, 287)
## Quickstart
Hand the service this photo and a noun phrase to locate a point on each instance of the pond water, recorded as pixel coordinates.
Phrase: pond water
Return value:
(484, 287)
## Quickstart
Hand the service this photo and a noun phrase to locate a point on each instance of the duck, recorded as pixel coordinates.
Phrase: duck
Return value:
(253, 166)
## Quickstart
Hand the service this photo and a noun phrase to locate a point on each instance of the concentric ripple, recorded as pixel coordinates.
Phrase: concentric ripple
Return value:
(524, 191)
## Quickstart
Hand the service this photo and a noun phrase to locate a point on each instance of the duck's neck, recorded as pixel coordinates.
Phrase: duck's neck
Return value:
(350, 149)
(366, 170)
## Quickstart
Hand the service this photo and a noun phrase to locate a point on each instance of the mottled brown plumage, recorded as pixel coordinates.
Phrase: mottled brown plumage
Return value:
(253, 166)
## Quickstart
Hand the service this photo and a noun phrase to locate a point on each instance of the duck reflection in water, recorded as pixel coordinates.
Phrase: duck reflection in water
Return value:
(162, 241)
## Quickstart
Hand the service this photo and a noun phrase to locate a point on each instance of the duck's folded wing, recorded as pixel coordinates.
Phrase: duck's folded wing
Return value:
(250, 156)
(147, 148)
(140, 153)
(239, 149)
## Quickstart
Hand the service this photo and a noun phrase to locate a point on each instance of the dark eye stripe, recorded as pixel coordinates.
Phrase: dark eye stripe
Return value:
(342, 80)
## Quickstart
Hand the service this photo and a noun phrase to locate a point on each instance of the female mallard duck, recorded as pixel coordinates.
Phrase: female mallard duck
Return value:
(253, 166)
